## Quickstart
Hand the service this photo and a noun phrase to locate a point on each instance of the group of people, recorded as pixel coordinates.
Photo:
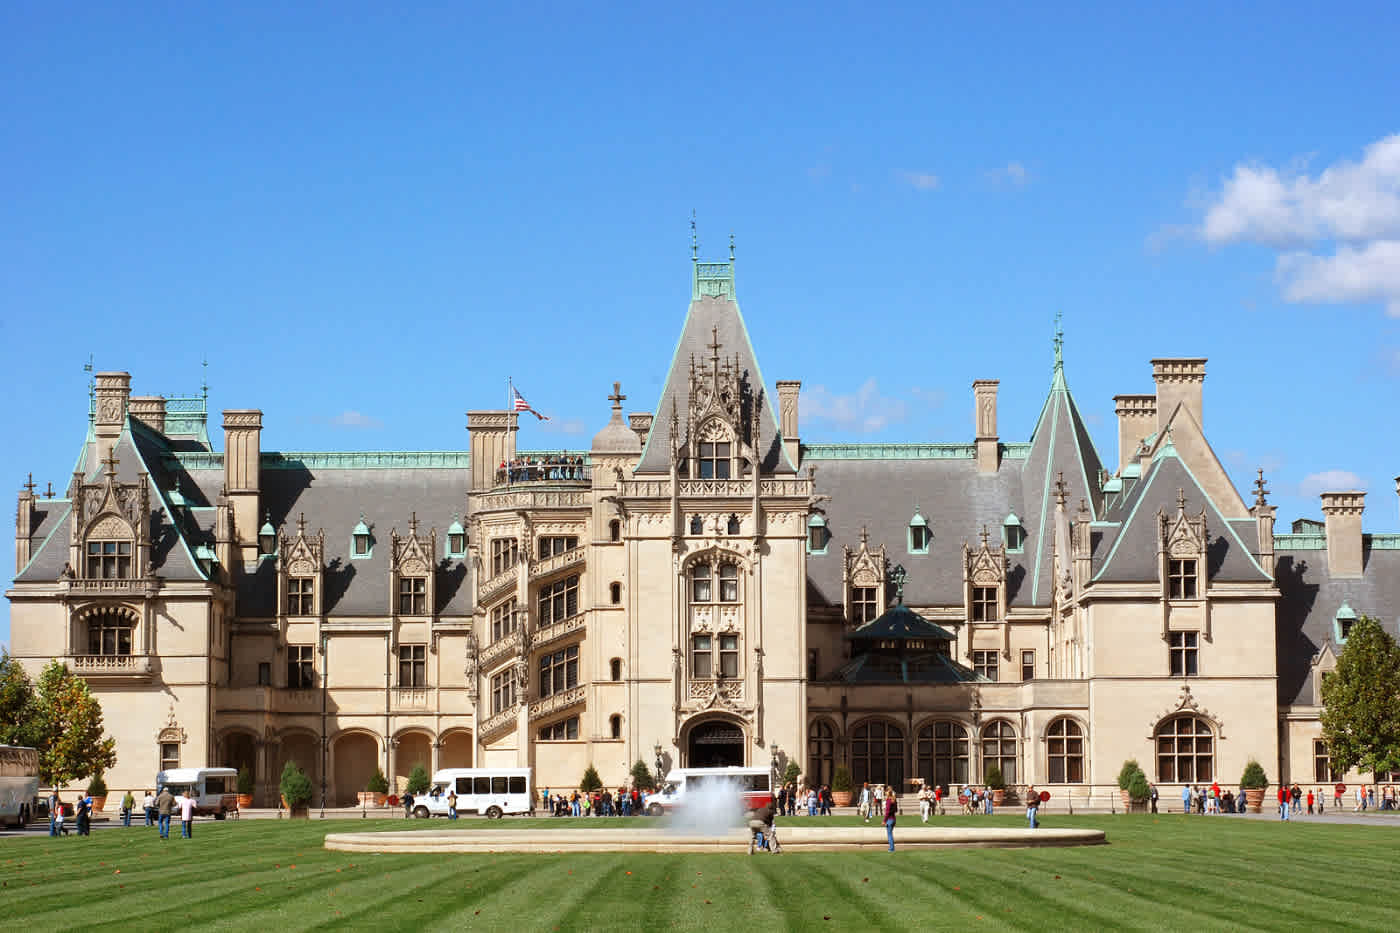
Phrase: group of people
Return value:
(159, 809)
(622, 802)
(530, 469)
(817, 801)
(1206, 799)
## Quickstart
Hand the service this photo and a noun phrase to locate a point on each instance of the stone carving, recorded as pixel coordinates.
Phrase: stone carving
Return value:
(110, 527)
(1186, 703)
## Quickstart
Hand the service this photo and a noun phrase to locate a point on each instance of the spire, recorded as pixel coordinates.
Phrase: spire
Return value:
(694, 243)
(1059, 343)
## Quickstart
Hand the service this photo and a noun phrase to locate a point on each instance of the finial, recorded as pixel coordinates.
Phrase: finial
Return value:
(1060, 489)
(1180, 499)
(1261, 490)
(731, 246)
(48, 493)
(617, 398)
(1059, 342)
(29, 485)
(714, 347)
(898, 575)
(864, 536)
(985, 536)
(204, 377)
(694, 244)
(413, 523)
(112, 461)
(301, 523)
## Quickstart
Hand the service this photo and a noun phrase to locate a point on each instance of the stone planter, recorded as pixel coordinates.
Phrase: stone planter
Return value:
(369, 798)
(998, 796)
(1254, 798)
(1130, 805)
(299, 813)
(841, 798)
(98, 803)
(245, 801)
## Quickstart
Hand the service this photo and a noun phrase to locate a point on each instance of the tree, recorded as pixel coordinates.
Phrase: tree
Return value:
(591, 781)
(295, 786)
(641, 776)
(793, 772)
(19, 708)
(377, 783)
(418, 782)
(1361, 701)
(71, 744)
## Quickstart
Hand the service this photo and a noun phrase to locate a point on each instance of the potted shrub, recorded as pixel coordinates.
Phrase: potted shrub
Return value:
(1134, 793)
(997, 783)
(97, 790)
(841, 786)
(376, 790)
(1255, 782)
(245, 787)
(591, 781)
(296, 790)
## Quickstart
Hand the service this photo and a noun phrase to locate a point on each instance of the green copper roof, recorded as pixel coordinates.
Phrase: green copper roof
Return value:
(905, 451)
(1346, 612)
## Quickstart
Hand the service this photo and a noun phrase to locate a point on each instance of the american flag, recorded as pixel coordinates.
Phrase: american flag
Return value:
(522, 405)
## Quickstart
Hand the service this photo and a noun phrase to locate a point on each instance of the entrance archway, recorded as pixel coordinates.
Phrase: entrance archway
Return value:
(457, 750)
(355, 755)
(414, 748)
(715, 743)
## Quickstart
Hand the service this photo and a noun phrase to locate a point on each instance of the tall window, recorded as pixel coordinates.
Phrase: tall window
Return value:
(264, 673)
(169, 755)
(728, 583)
(714, 461)
(1185, 751)
(301, 667)
(700, 588)
(561, 731)
(557, 544)
(864, 605)
(818, 535)
(109, 560)
(559, 601)
(985, 663)
(300, 596)
(614, 530)
(984, 604)
(1183, 648)
(413, 596)
(109, 633)
(702, 659)
(456, 543)
(999, 749)
(502, 691)
(615, 593)
(1322, 763)
(919, 535)
(615, 726)
(1028, 664)
(1065, 749)
(821, 752)
(942, 753)
(559, 671)
(877, 754)
(504, 554)
(413, 665)
(615, 669)
(729, 656)
(1181, 578)
(504, 620)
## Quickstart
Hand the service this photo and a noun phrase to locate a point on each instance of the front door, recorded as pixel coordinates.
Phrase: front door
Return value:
(715, 745)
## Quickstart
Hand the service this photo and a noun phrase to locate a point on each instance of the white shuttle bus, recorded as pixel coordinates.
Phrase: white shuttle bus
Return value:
(752, 787)
(215, 790)
(490, 792)
(19, 783)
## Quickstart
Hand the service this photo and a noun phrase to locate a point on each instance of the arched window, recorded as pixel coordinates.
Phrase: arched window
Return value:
(615, 725)
(821, 752)
(728, 583)
(615, 592)
(732, 527)
(877, 754)
(942, 753)
(697, 525)
(919, 534)
(1185, 751)
(614, 530)
(700, 589)
(1065, 747)
(615, 669)
(109, 633)
(999, 750)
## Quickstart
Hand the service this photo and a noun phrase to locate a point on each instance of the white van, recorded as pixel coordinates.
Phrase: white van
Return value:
(753, 787)
(19, 783)
(491, 792)
(215, 790)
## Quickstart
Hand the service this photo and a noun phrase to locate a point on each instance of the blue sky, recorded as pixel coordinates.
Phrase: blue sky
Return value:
(367, 218)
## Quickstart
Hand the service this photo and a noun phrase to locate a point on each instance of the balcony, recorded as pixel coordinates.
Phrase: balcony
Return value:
(557, 703)
(498, 649)
(113, 666)
(410, 698)
(107, 587)
(549, 634)
(534, 474)
(501, 722)
(556, 563)
(495, 586)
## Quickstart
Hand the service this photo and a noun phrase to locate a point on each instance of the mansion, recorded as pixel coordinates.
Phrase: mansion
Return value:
(698, 586)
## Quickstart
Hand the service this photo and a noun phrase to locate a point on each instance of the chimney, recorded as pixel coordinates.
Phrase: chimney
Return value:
(243, 475)
(150, 411)
(788, 392)
(984, 393)
(24, 525)
(113, 391)
(492, 441)
(1264, 524)
(1137, 418)
(640, 421)
(1179, 381)
(1342, 512)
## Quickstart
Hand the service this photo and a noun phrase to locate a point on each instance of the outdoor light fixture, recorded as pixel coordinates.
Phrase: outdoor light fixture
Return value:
(267, 537)
(659, 775)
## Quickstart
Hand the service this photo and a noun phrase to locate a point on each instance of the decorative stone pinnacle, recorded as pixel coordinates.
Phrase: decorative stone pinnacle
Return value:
(1261, 490)
(301, 523)
(111, 461)
(731, 247)
(413, 523)
(617, 398)
(29, 485)
(899, 575)
(714, 347)
(1180, 499)
(48, 493)
(864, 536)
(1061, 491)
(1059, 341)
(985, 536)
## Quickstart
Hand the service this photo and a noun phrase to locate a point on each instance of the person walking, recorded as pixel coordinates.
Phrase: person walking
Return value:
(987, 801)
(938, 800)
(1360, 799)
(1310, 802)
(452, 804)
(148, 803)
(1283, 803)
(83, 811)
(59, 829)
(1152, 796)
(407, 804)
(165, 804)
(863, 805)
(128, 804)
(891, 811)
(1186, 799)
(186, 802)
(55, 814)
(925, 801)
(1033, 807)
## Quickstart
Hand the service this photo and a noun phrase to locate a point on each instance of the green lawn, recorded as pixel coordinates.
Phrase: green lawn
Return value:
(1157, 873)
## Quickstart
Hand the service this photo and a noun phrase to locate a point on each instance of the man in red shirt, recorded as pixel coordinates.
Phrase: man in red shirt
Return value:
(1283, 803)
(1310, 802)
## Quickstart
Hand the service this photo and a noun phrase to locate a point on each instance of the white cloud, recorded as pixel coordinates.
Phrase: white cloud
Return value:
(1012, 173)
(864, 411)
(1314, 484)
(919, 181)
(1338, 230)
(355, 419)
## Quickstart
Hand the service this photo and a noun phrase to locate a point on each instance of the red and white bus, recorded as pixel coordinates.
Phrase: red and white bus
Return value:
(753, 787)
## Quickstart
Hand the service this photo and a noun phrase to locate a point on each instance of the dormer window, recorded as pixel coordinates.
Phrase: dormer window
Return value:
(817, 535)
(108, 560)
(413, 596)
(456, 540)
(1346, 618)
(360, 546)
(985, 604)
(1181, 578)
(919, 534)
(267, 538)
(1014, 534)
(713, 461)
(301, 596)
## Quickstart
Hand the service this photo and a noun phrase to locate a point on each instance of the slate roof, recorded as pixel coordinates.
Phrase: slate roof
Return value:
(703, 317)
(1309, 598)
(900, 623)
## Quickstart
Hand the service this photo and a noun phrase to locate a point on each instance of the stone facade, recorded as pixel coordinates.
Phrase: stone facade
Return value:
(698, 581)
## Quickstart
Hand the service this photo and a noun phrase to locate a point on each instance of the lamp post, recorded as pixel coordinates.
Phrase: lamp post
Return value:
(659, 776)
(773, 750)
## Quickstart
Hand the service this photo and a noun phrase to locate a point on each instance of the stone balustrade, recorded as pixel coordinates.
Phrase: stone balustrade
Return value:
(549, 634)
(498, 649)
(111, 665)
(557, 703)
(501, 721)
(557, 562)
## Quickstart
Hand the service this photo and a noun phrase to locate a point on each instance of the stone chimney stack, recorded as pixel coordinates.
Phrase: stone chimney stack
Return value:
(492, 439)
(1264, 524)
(788, 392)
(113, 391)
(150, 411)
(984, 394)
(1179, 381)
(24, 525)
(1137, 418)
(640, 421)
(243, 476)
(1342, 512)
